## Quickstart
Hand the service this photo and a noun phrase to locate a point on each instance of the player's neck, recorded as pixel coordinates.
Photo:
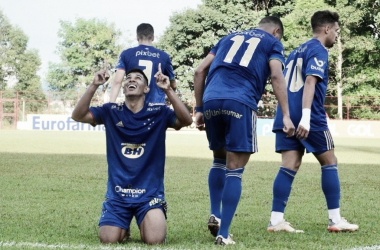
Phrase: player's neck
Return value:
(145, 42)
(320, 39)
(135, 103)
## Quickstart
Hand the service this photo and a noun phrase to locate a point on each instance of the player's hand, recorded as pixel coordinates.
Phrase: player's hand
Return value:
(288, 126)
(162, 80)
(302, 133)
(199, 121)
(102, 76)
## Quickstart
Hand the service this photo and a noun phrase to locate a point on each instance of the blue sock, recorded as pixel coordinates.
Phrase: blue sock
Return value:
(331, 185)
(282, 186)
(230, 198)
(216, 179)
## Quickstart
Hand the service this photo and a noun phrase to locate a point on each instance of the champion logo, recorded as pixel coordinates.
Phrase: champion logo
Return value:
(120, 124)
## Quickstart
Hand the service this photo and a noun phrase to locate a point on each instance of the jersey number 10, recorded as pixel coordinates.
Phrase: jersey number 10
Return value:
(296, 82)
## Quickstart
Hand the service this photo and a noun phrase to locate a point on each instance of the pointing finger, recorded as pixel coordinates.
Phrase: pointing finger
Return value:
(159, 67)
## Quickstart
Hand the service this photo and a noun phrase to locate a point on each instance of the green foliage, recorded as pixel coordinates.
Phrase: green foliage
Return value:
(84, 48)
(19, 65)
(192, 34)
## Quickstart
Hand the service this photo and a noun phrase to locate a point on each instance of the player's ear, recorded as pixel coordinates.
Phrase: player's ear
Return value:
(276, 33)
(146, 89)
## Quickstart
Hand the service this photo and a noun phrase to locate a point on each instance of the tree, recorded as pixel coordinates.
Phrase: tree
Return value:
(356, 69)
(19, 65)
(192, 33)
(85, 47)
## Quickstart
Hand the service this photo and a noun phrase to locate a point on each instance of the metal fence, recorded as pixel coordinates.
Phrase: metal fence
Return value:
(16, 105)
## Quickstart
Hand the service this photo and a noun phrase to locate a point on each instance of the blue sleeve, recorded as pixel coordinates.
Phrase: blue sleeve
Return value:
(317, 62)
(277, 53)
(215, 48)
(121, 64)
(99, 113)
(170, 117)
(169, 69)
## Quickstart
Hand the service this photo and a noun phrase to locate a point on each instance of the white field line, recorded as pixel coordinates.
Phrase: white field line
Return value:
(5, 244)
(375, 247)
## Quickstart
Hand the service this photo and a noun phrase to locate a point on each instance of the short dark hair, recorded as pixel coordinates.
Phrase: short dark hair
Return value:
(323, 17)
(273, 20)
(137, 70)
(145, 31)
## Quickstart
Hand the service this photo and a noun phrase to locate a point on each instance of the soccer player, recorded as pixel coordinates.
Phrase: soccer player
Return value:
(237, 70)
(135, 136)
(146, 57)
(306, 74)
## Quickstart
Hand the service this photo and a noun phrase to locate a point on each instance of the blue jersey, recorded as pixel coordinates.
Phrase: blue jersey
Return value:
(311, 58)
(240, 69)
(147, 59)
(135, 150)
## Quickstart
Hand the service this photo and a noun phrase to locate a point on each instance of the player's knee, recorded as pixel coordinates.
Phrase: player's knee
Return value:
(111, 235)
(154, 239)
(110, 239)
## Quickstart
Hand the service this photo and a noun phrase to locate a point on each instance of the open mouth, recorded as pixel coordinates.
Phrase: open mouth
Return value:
(132, 86)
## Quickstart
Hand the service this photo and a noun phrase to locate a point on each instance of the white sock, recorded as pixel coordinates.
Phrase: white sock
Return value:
(334, 215)
(276, 217)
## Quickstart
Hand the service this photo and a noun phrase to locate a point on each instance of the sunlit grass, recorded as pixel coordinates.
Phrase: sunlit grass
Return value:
(52, 186)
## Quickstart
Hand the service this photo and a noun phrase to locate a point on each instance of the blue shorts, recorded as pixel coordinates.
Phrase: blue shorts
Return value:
(118, 214)
(317, 142)
(230, 124)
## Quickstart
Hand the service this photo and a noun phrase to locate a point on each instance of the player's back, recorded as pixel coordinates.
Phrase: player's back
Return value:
(147, 58)
(310, 58)
(240, 68)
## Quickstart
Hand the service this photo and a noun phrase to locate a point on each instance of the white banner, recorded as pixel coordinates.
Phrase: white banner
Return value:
(338, 128)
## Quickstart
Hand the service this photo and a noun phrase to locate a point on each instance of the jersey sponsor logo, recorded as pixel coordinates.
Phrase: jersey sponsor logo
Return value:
(153, 109)
(156, 104)
(147, 53)
(300, 49)
(131, 192)
(154, 201)
(117, 106)
(317, 68)
(208, 113)
(132, 151)
(250, 33)
(120, 124)
(319, 62)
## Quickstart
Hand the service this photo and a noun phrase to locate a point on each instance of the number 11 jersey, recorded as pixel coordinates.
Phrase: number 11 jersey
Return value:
(240, 69)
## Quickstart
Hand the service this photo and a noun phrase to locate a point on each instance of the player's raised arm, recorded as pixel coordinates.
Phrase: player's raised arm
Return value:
(81, 111)
(116, 84)
(180, 110)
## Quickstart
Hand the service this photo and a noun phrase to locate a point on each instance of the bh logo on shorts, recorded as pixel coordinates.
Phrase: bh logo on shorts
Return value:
(132, 151)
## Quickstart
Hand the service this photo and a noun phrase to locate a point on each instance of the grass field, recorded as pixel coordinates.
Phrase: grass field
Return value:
(52, 186)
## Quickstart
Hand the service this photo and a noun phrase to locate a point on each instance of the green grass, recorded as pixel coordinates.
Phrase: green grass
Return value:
(52, 186)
